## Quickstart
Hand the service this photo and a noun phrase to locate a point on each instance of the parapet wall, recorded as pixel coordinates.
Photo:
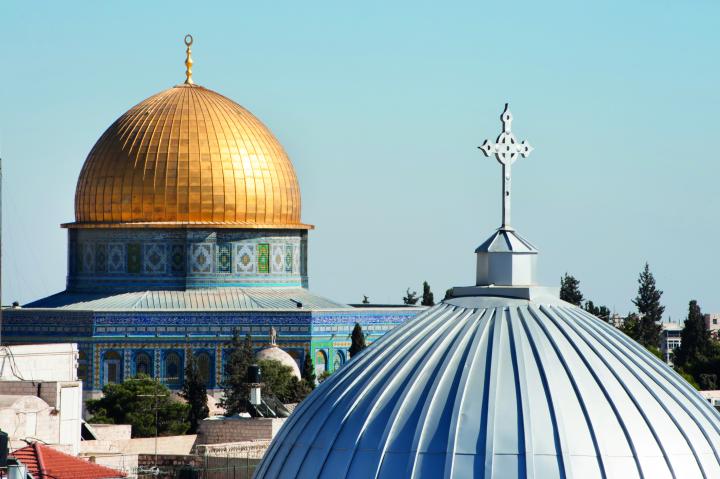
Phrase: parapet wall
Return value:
(235, 429)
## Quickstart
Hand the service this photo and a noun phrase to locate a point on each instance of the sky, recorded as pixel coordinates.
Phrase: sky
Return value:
(381, 106)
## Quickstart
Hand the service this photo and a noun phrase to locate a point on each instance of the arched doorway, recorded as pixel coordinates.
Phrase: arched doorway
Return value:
(339, 360)
(320, 362)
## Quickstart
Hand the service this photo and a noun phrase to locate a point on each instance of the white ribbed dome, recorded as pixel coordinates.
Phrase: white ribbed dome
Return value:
(495, 387)
(273, 353)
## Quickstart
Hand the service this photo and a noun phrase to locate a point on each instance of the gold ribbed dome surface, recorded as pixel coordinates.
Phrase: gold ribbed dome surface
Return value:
(188, 157)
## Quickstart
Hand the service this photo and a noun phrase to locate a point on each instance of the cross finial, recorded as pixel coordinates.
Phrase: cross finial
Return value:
(506, 150)
(188, 60)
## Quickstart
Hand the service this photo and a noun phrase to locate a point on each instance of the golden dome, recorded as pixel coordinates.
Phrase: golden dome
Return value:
(188, 157)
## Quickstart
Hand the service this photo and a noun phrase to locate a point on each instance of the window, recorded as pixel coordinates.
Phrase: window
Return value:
(112, 372)
(204, 364)
(173, 369)
(143, 364)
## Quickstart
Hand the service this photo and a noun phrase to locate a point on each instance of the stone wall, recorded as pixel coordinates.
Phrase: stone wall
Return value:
(111, 432)
(225, 430)
(47, 391)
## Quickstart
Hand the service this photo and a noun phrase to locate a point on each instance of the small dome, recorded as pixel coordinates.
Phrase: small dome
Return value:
(274, 353)
(488, 386)
(188, 156)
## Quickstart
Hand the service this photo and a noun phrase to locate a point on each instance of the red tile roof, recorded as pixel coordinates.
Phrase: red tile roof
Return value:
(44, 462)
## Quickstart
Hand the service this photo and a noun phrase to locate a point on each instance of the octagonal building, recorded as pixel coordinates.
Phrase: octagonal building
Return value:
(188, 227)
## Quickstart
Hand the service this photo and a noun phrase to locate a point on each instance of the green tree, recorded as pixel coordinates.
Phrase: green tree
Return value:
(650, 309)
(236, 391)
(357, 339)
(134, 401)
(570, 290)
(448, 294)
(194, 391)
(410, 297)
(280, 382)
(601, 312)
(428, 299)
(308, 372)
(630, 325)
(695, 345)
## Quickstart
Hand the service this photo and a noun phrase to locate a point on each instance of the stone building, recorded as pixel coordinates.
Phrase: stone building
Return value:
(187, 227)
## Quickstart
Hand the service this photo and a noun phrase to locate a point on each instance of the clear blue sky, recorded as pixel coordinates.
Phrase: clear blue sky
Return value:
(381, 106)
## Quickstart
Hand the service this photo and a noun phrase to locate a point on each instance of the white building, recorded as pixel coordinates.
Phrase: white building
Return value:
(670, 339)
(40, 396)
(712, 323)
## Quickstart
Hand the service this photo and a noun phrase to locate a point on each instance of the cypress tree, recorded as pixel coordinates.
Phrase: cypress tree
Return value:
(308, 372)
(235, 390)
(428, 299)
(570, 290)
(695, 344)
(358, 340)
(194, 391)
(650, 309)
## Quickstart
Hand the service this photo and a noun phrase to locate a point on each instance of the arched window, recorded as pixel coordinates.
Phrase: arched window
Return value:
(339, 360)
(204, 363)
(320, 362)
(112, 367)
(143, 364)
(173, 373)
(82, 371)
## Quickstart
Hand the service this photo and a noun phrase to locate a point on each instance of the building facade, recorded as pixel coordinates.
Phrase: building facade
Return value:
(187, 228)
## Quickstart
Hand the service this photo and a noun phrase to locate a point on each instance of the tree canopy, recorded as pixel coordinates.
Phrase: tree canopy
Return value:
(236, 391)
(279, 381)
(134, 401)
(194, 391)
(428, 299)
(649, 308)
(695, 339)
(308, 371)
(570, 290)
(410, 297)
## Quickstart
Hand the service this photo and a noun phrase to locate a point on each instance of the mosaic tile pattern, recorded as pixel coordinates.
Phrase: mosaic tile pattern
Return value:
(155, 260)
(245, 258)
(201, 258)
(296, 259)
(177, 258)
(278, 258)
(263, 257)
(224, 258)
(134, 258)
(88, 257)
(288, 258)
(116, 258)
(101, 262)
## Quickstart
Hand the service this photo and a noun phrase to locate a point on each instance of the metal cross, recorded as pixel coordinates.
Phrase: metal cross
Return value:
(506, 150)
